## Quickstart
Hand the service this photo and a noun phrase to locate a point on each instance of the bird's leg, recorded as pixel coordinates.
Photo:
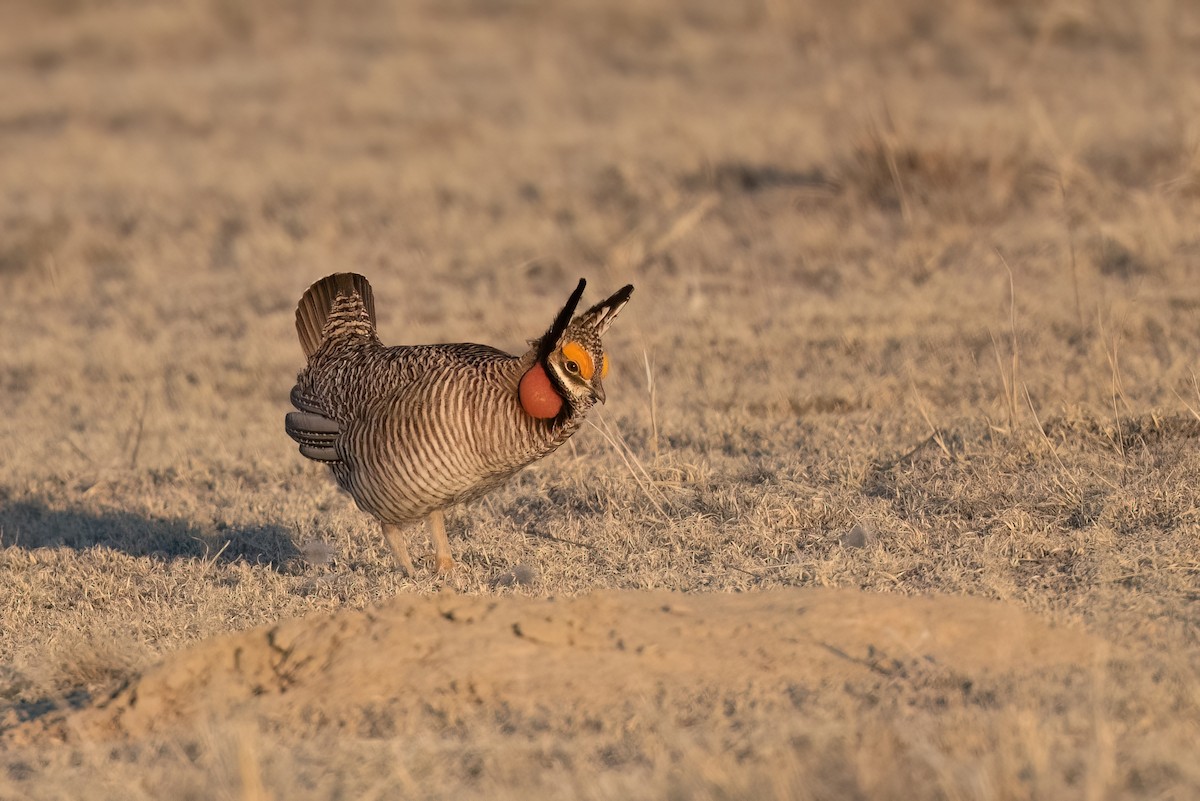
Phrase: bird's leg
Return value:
(441, 545)
(397, 540)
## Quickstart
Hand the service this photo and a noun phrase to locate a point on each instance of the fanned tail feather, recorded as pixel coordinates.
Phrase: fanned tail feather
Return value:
(339, 305)
(315, 433)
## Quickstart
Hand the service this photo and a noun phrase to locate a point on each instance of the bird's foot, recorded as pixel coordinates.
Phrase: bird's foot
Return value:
(397, 541)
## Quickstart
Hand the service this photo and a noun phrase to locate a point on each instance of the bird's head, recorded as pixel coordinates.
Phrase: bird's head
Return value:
(571, 365)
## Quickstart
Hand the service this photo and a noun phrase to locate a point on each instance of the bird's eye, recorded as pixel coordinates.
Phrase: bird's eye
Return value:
(578, 361)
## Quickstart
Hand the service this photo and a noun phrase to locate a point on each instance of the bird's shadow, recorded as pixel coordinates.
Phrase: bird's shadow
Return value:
(33, 524)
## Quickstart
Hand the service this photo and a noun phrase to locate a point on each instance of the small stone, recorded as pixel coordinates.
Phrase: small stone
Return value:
(317, 552)
(858, 537)
(520, 575)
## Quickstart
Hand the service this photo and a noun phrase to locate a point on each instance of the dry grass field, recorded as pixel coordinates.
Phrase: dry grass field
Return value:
(904, 412)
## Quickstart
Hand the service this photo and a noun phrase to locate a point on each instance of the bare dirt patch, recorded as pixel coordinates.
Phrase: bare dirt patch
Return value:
(449, 656)
(622, 684)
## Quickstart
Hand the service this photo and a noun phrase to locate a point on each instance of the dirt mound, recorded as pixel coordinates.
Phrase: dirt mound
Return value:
(450, 657)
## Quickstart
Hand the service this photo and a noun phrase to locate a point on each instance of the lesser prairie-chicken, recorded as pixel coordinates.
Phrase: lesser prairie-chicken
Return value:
(410, 430)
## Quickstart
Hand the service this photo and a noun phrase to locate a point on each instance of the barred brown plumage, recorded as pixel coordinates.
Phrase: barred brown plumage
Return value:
(409, 430)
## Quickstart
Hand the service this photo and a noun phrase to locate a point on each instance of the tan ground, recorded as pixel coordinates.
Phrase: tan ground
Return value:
(574, 687)
(917, 312)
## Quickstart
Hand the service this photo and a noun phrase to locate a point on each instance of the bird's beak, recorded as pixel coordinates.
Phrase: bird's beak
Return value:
(598, 390)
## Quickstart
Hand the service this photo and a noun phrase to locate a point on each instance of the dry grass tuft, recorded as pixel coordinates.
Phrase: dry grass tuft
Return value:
(951, 182)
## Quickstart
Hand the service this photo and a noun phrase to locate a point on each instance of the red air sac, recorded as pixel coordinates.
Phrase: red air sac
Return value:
(538, 397)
